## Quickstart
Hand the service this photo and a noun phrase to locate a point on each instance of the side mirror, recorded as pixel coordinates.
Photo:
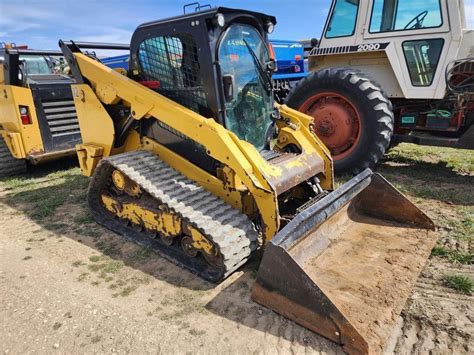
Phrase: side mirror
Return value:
(228, 81)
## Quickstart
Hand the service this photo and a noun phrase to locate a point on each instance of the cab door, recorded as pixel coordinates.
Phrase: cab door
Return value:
(419, 37)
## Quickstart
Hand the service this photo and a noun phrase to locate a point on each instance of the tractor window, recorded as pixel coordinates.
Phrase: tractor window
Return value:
(404, 15)
(422, 59)
(343, 19)
(172, 62)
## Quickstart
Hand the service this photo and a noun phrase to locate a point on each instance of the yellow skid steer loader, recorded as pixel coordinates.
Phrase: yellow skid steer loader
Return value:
(189, 154)
(38, 121)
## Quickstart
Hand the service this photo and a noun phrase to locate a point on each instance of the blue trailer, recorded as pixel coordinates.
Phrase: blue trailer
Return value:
(120, 61)
(291, 66)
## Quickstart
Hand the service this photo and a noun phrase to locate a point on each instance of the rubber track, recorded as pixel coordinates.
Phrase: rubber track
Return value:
(225, 226)
(8, 165)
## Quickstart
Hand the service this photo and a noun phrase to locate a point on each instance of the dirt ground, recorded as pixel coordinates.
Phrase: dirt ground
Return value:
(67, 285)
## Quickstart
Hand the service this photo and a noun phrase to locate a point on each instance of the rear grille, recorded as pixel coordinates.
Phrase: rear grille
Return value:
(61, 117)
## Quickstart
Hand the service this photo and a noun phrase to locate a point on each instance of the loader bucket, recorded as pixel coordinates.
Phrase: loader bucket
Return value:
(345, 266)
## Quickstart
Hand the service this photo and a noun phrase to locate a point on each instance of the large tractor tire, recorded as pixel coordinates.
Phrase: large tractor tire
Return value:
(352, 116)
(10, 166)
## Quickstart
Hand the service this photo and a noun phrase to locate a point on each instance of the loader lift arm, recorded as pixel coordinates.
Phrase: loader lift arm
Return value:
(221, 144)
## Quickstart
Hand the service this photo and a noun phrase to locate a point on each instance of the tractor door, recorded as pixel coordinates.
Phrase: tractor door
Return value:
(418, 37)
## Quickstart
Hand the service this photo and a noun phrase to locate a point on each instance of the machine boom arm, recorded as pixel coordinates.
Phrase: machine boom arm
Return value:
(110, 87)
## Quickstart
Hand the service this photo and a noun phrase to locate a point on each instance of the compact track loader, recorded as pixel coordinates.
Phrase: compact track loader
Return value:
(189, 154)
(38, 120)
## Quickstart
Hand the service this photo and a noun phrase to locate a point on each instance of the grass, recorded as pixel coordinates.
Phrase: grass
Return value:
(43, 202)
(57, 226)
(141, 254)
(126, 291)
(447, 194)
(108, 248)
(435, 173)
(453, 255)
(44, 193)
(460, 283)
(458, 160)
(85, 218)
(107, 267)
(463, 228)
(35, 181)
(15, 183)
(95, 258)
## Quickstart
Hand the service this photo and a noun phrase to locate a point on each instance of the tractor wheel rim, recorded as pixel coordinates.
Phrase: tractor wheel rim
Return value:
(336, 121)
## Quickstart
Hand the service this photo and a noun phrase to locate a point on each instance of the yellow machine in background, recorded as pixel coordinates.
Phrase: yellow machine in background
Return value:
(189, 154)
(38, 121)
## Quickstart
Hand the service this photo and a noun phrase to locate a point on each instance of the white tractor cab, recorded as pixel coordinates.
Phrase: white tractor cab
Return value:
(389, 71)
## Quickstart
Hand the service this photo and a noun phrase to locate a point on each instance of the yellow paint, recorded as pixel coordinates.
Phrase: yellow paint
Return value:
(246, 172)
(14, 144)
(89, 156)
(25, 140)
(119, 180)
(200, 242)
(161, 222)
(97, 128)
(123, 183)
(132, 142)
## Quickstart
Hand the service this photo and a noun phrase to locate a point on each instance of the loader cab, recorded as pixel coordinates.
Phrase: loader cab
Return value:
(214, 62)
(406, 43)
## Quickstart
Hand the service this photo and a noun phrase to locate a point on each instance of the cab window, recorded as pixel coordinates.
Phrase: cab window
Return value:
(404, 15)
(343, 19)
(422, 59)
(171, 62)
(243, 57)
(35, 65)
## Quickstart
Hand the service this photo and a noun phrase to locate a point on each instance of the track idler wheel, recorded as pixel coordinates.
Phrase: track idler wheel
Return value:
(188, 247)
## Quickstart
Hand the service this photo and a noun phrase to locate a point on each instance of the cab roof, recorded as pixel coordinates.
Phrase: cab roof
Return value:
(209, 14)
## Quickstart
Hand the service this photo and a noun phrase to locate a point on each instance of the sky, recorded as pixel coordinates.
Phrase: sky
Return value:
(41, 23)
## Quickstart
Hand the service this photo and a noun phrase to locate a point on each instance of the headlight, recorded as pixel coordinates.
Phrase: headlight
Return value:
(270, 27)
(220, 19)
